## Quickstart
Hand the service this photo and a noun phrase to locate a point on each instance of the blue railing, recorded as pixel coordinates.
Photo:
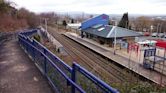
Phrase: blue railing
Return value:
(59, 80)
(62, 77)
(64, 67)
(93, 84)
(29, 32)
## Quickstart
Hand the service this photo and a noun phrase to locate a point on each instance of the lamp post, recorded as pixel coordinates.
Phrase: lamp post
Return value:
(45, 24)
(158, 28)
(151, 29)
(115, 38)
(161, 27)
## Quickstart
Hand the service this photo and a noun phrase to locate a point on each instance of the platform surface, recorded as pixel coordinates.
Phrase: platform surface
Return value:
(18, 74)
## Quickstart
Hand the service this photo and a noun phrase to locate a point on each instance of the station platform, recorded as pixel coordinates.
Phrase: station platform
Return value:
(133, 63)
(18, 74)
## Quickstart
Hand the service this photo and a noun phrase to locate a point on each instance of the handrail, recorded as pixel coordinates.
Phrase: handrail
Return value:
(65, 65)
(34, 31)
(33, 45)
(50, 61)
(28, 33)
(93, 78)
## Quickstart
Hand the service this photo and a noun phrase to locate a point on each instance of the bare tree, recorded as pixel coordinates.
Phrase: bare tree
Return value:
(159, 25)
(52, 17)
(142, 23)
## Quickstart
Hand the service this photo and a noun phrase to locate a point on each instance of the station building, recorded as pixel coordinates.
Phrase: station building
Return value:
(97, 28)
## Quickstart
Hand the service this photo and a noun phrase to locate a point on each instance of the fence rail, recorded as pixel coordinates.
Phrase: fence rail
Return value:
(96, 83)
(62, 77)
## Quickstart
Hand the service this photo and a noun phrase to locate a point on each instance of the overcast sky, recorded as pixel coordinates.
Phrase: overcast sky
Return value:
(95, 6)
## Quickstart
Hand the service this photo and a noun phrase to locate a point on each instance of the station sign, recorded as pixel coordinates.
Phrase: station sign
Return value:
(150, 52)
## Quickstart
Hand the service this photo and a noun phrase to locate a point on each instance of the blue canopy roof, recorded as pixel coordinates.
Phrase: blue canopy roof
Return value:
(100, 19)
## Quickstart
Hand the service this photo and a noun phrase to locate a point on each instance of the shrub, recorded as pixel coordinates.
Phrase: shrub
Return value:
(37, 37)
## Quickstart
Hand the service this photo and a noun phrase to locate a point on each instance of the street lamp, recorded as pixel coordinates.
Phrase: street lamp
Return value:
(115, 38)
(158, 28)
(45, 19)
(151, 28)
(161, 28)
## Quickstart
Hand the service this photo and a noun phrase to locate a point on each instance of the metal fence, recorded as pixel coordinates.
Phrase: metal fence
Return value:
(62, 77)
(64, 67)
(89, 82)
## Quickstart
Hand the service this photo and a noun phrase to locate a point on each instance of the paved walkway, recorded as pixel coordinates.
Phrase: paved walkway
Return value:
(134, 66)
(18, 74)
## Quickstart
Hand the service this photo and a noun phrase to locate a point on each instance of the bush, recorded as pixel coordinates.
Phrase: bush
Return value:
(37, 37)
(64, 23)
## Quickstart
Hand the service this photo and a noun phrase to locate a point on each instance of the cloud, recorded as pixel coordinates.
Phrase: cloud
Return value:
(96, 6)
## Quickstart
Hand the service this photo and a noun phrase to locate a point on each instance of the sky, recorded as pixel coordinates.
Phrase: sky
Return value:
(95, 6)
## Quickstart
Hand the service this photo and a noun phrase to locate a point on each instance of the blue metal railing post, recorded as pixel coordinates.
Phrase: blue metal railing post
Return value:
(73, 77)
(45, 62)
(33, 51)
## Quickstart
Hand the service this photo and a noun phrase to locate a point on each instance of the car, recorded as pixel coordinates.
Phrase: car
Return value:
(161, 35)
(146, 34)
(164, 36)
(154, 34)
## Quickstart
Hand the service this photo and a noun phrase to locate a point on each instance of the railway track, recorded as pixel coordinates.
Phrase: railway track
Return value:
(97, 59)
(104, 63)
(84, 60)
(93, 62)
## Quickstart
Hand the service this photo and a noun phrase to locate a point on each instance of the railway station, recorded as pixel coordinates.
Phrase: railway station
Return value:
(129, 61)
(82, 46)
(144, 57)
(97, 28)
(101, 54)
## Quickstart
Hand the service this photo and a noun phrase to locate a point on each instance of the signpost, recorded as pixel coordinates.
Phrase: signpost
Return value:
(149, 53)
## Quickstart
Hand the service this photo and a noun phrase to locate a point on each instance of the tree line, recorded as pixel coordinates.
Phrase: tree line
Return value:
(143, 23)
(12, 19)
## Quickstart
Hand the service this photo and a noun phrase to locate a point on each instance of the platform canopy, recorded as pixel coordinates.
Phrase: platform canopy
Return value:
(109, 31)
(99, 26)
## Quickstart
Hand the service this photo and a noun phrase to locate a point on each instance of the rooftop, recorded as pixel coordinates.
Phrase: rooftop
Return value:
(108, 31)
